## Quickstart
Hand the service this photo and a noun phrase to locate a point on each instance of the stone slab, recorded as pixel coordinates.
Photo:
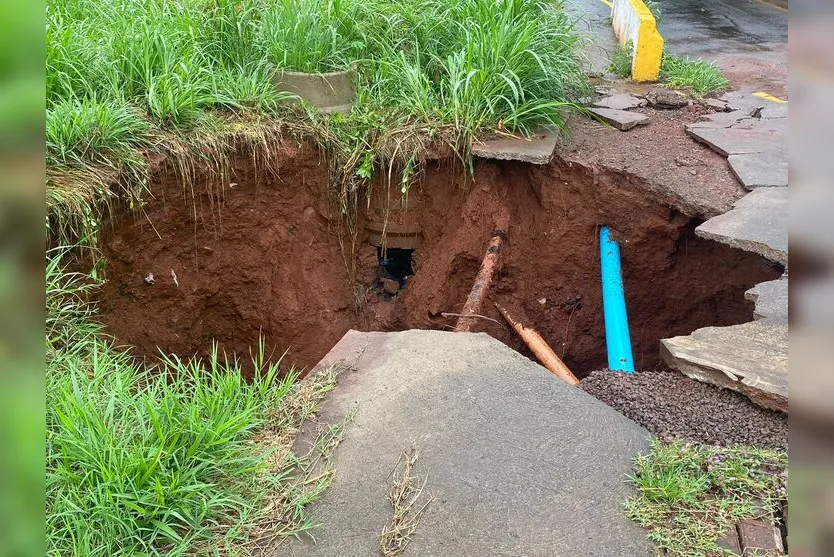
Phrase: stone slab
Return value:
(537, 149)
(749, 135)
(757, 223)
(751, 358)
(621, 101)
(760, 170)
(730, 541)
(761, 538)
(771, 299)
(620, 119)
(517, 462)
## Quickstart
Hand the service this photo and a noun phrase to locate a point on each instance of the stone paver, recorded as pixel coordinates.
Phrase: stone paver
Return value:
(517, 462)
(760, 170)
(538, 149)
(621, 101)
(758, 223)
(753, 136)
(749, 135)
(620, 119)
(751, 358)
(771, 299)
(761, 538)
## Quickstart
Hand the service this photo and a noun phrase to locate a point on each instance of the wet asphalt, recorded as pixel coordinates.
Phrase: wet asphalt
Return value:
(696, 28)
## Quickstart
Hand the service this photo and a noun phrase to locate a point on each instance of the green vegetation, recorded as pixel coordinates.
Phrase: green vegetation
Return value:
(622, 60)
(700, 76)
(690, 495)
(176, 459)
(184, 456)
(185, 78)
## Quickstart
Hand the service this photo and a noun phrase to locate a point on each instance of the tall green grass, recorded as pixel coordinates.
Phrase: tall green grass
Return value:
(700, 76)
(469, 63)
(156, 461)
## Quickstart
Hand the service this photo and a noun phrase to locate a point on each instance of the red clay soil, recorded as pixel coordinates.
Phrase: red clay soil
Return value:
(687, 174)
(266, 259)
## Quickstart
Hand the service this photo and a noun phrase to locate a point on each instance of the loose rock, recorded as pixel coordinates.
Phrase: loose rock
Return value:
(390, 286)
(673, 406)
(666, 98)
(620, 119)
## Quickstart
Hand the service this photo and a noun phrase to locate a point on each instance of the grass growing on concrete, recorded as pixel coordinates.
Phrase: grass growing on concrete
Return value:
(622, 60)
(405, 497)
(176, 459)
(699, 76)
(690, 495)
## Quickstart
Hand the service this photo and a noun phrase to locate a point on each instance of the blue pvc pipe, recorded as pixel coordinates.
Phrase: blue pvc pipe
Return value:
(617, 337)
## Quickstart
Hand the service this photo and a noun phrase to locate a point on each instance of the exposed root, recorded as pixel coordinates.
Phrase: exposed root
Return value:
(404, 495)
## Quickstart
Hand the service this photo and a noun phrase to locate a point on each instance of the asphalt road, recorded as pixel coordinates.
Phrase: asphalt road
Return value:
(748, 39)
(699, 27)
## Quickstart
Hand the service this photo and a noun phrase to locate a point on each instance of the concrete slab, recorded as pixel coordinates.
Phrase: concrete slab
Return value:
(757, 223)
(537, 149)
(771, 299)
(751, 358)
(620, 119)
(517, 461)
(750, 135)
(760, 170)
(621, 101)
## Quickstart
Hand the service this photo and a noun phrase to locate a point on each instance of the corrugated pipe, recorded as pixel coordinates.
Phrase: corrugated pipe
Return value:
(617, 337)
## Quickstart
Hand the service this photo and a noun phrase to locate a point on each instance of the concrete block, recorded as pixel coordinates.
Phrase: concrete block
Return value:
(758, 223)
(633, 21)
(620, 119)
(537, 149)
(751, 358)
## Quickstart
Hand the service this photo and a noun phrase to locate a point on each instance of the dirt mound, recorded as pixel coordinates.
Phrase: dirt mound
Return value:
(671, 405)
(261, 255)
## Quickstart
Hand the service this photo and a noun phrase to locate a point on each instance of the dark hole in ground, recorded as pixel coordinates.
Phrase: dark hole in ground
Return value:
(395, 263)
(264, 258)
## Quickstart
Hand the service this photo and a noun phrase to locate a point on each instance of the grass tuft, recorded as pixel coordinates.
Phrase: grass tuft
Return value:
(163, 460)
(700, 76)
(689, 495)
(621, 62)
(404, 495)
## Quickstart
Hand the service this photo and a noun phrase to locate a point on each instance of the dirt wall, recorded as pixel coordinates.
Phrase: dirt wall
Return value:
(264, 257)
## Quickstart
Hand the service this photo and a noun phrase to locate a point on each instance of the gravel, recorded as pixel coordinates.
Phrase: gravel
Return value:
(671, 405)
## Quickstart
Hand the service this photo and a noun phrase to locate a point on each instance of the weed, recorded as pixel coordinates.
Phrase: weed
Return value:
(700, 76)
(404, 495)
(690, 495)
(622, 60)
(164, 460)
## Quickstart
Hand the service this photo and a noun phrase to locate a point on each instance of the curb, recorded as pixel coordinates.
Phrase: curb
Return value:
(633, 21)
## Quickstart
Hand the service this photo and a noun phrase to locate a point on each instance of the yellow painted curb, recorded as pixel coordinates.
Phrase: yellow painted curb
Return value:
(633, 21)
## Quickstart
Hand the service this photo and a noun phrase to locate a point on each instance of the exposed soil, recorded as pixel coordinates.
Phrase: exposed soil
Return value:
(688, 174)
(672, 405)
(261, 255)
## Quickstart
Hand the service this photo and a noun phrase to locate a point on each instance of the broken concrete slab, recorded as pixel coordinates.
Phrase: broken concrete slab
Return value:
(620, 119)
(771, 299)
(621, 101)
(760, 537)
(749, 135)
(757, 223)
(517, 462)
(760, 170)
(775, 111)
(716, 104)
(537, 149)
(751, 358)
